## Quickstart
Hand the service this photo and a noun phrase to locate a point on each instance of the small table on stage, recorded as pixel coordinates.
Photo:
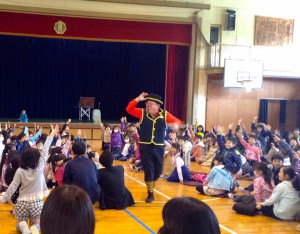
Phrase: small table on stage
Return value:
(85, 105)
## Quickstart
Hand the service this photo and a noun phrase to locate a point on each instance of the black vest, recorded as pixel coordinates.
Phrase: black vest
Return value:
(152, 130)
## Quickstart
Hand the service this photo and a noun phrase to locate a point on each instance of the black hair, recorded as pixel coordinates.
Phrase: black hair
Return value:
(10, 154)
(7, 148)
(106, 125)
(290, 172)
(12, 168)
(72, 205)
(72, 137)
(267, 172)
(260, 126)
(64, 137)
(175, 145)
(64, 128)
(253, 136)
(183, 215)
(220, 158)
(277, 156)
(52, 152)
(78, 148)
(296, 182)
(233, 140)
(106, 159)
(295, 139)
(184, 138)
(198, 136)
(29, 158)
(14, 138)
(39, 141)
(200, 126)
(56, 158)
(21, 135)
(91, 154)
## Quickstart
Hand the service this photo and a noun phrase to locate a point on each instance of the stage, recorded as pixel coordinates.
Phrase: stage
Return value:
(89, 128)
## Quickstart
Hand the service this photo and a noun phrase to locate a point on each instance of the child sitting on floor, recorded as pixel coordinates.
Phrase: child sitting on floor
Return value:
(284, 202)
(127, 150)
(219, 179)
(181, 172)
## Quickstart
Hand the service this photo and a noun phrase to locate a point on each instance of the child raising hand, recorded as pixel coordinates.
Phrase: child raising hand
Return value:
(33, 187)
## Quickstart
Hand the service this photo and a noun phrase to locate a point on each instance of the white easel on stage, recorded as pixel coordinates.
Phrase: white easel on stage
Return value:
(85, 105)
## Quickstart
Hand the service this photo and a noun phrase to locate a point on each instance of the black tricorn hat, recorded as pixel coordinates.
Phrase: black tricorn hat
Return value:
(154, 97)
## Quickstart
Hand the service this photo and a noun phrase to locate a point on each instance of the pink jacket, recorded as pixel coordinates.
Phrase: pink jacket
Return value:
(252, 152)
(262, 191)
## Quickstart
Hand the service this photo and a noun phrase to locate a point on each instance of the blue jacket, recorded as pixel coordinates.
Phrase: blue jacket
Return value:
(220, 178)
(232, 157)
(23, 118)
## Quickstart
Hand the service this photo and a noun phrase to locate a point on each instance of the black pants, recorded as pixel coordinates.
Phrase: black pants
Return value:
(152, 160)
(268, 211)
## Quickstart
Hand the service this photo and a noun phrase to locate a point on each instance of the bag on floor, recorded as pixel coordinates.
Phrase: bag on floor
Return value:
(199, 177)
(245, 205)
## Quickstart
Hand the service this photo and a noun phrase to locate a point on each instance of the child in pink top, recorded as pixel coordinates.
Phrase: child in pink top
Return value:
(263, 184)
(252, 152)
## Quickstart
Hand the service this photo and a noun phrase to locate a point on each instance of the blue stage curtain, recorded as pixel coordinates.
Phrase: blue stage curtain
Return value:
(282, 114)
(263, 111)
(47, 76)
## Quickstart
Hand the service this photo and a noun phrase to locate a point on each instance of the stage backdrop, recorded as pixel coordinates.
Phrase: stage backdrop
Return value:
(47, 76)
(112, 60)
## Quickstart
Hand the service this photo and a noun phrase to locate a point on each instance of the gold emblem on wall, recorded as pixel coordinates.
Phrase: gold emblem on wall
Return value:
(60, 27)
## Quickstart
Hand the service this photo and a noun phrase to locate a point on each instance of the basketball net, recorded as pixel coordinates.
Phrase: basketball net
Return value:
(247, 85)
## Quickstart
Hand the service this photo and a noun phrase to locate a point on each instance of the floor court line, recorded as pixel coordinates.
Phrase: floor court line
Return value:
(211, 199)
(204, 200)
(164, 195)
(139, 221)
(156, 202)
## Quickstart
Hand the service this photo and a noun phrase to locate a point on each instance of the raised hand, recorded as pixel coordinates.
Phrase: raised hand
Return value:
(54, 131)
(276, 138)
(220, 129)
(142, 96)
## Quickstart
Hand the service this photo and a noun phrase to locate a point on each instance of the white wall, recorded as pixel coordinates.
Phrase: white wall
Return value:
(246, 10)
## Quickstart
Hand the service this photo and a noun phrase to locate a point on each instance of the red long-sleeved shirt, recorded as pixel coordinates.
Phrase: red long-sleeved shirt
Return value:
(138, 112)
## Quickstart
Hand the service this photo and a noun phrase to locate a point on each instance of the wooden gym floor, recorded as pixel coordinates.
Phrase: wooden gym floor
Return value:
(146, 218)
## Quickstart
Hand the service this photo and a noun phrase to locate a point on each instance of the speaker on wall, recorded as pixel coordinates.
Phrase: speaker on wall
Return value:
(230, 19)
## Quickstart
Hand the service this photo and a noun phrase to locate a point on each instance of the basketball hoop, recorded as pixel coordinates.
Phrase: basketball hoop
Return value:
(247, 85)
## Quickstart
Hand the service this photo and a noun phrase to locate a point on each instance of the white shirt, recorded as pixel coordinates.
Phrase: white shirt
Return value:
(178, 163)
(285, 199)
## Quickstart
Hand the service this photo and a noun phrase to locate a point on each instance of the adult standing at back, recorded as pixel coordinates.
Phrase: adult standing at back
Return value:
(153, 122)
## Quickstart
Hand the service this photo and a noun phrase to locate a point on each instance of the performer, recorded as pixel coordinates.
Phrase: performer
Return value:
(153, 122)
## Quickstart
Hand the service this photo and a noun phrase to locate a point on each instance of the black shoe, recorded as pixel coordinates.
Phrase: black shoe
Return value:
(150, 197)
(200, 189)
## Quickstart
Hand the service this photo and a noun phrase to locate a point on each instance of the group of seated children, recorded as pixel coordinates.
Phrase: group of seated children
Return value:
(264, 156)
(25, 175)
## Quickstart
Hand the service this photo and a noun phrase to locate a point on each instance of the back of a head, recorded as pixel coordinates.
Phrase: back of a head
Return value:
(67, 210)
(21, 135)
(183, 215)
(106, 159)
(30, 158)
(79, 148)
